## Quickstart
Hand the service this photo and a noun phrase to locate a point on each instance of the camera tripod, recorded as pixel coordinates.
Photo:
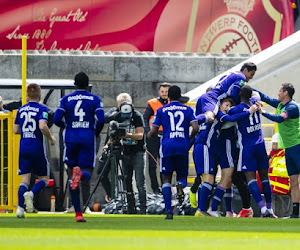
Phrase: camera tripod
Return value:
(114, 160)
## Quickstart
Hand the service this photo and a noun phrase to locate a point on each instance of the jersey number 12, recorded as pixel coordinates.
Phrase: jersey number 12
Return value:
(178, 126)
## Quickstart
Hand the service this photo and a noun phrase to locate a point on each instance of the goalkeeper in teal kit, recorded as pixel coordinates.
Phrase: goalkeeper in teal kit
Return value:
(287, 117)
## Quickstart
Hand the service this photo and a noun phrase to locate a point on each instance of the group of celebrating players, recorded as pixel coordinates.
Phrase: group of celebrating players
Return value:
(238, 145)
(226, 130)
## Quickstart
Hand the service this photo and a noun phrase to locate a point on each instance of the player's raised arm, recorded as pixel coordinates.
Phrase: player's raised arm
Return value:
(235, 117)
(269, 100)
(291, 112)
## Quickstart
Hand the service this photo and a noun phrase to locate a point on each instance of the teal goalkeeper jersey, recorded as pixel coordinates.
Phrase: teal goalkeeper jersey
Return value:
(289, 130)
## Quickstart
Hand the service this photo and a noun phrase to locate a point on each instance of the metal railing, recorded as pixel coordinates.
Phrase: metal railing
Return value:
(9, 154)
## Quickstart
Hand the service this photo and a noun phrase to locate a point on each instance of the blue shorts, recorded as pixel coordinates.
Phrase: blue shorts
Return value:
(80, 154)
(209, 103)
(35, 162)
(203, 159)
(253, 158)
(292, 158)
(226, 152)
(177, 163)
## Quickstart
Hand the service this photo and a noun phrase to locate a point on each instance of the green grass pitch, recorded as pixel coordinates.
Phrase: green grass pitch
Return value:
(60, 231)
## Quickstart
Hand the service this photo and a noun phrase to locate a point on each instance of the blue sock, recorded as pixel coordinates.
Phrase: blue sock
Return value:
(255, 191)
(198, 194)
(75, 196)
(268, 192)
(86, 176)
(219, 192)
(41, 184)
(204, 195)
(22, 189)
(228, 199)
(167, 194)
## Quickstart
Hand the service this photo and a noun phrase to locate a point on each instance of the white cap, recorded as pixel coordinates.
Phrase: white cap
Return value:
(275, 138)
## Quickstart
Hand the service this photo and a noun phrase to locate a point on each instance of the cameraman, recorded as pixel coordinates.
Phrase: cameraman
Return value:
(134, 151)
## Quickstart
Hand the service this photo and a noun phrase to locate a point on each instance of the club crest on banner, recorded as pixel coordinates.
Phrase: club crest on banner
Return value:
(240, 6)
(231, 32)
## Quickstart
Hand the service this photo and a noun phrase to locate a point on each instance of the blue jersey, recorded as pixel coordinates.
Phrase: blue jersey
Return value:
(229, 85)
(175, 119)
(78, 111)
(28, 117)
(198, 108)
(209, 132)
(249, 130)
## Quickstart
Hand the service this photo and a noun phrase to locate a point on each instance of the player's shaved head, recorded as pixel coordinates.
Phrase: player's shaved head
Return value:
(245, 92)
(81, 81)
(174, 92)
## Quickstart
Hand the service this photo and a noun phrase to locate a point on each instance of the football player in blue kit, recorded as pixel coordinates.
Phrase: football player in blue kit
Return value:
(176, 119)
(228, 85)
(205, 147)
(31, 123)
(81, 116)
(253, 155)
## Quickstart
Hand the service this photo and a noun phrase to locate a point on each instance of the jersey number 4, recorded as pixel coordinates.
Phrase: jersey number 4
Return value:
(79, 111)
(178, 126)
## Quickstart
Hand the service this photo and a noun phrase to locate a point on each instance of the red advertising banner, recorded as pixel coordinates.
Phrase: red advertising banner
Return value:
(215, 26)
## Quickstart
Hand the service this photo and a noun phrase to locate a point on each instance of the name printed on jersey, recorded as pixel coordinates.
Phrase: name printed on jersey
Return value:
(174, 107)
(177, 134)
(28, 134)
(32, 111)
(253, 118)
(253, 128)
(80, 124)
(80, 97)
(28, 108)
